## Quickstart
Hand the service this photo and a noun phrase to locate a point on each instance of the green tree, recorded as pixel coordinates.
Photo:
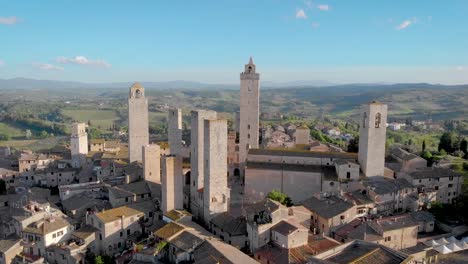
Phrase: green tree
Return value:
(427, 156)
(424, 145)
(464, 147)
(353, 145)
(98, 260)
(447, 142)
(4, 137)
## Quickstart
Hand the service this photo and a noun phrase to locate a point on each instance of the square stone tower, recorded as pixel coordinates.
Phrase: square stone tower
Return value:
(197, 173)
(175, 131)
(172, 184)
(372, 137)
(79, 144)
(216, 193)
(152, 163)
(138, 132)
(249, 112)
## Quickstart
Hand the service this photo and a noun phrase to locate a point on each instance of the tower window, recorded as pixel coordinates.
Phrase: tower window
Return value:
(138, 93)
(364, 119)
(378, 120)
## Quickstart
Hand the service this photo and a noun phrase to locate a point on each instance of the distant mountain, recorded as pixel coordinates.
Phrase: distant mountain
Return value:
(28, 84)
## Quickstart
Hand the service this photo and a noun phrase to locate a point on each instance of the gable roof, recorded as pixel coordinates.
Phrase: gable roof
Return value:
(168, 230)
(230, 224)
(116, 213)
(327, 207)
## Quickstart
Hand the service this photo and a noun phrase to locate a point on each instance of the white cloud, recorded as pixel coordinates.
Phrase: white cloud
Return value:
(315, 24)
(460, 68)
(323, 7)
(300, 14)
(2, 63)
(47, 67)
(404, 25)
(82, 60)
(9, 20)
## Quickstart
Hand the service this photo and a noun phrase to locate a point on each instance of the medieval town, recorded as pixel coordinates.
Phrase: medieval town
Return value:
(251, 194)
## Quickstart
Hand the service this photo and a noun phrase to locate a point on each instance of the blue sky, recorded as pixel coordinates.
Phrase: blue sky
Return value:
(209, 41)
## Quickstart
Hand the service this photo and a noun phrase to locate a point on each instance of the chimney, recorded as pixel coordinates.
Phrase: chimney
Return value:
(127, 179)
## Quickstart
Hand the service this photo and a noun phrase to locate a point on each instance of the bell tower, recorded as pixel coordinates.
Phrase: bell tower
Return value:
(138, 132)
(249, 112)
(372, 137)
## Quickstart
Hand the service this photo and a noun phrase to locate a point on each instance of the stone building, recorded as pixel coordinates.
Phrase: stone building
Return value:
(172, 183)
(43, 233)
(9, 248)
(175, 131)
(117, 229)
(249, 111)
(301, 135)
(152, 163)
(197, 172)
(396, 232)
(297, 173)
(329, 212)
(372, 138)
(216, 194)
(78, 144)
(138, 131)
(445, 182)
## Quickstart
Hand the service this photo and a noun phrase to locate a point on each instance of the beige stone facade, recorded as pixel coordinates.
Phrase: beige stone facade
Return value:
(172, 183)
(249, 111)
(216, 193)
(197, 172)
(175, 131)
(152, 163)
(78, 144)
(372, 138)
(138, 131)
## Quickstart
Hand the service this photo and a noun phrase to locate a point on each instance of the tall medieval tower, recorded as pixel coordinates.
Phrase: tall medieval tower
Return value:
(79, 144)
(372, 137)
(249, 112)
(138, 133)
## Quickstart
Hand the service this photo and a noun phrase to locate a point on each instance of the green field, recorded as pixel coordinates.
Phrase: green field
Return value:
(98, 118)
(11, 131)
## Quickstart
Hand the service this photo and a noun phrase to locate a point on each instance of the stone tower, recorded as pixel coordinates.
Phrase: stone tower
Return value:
(216, 193)
(175, 131)
(172, 184)
(372, 137)
(152, 163)
(79, 144)
(138, 132)
(249, 112)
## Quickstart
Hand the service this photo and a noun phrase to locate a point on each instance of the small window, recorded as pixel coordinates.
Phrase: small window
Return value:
(451, 178)
(364, 119)
(450, 185)
(378, 118)
(342, 217)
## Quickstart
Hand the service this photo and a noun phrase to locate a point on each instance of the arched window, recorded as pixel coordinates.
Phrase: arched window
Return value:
(364, 119)
(378, 119)
(138, 93)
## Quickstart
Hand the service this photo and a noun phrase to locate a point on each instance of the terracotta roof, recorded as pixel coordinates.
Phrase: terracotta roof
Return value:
(116, 213)
(176, 214)
(303, 153)
(84, 232)
(97, 141)
(230, 224)
(137, 85)
(327, 207)
(168, 230)
(285, 228)
(47, 226)
(6, 244)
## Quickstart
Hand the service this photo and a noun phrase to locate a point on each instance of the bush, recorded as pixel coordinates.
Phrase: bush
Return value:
(280, 197)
